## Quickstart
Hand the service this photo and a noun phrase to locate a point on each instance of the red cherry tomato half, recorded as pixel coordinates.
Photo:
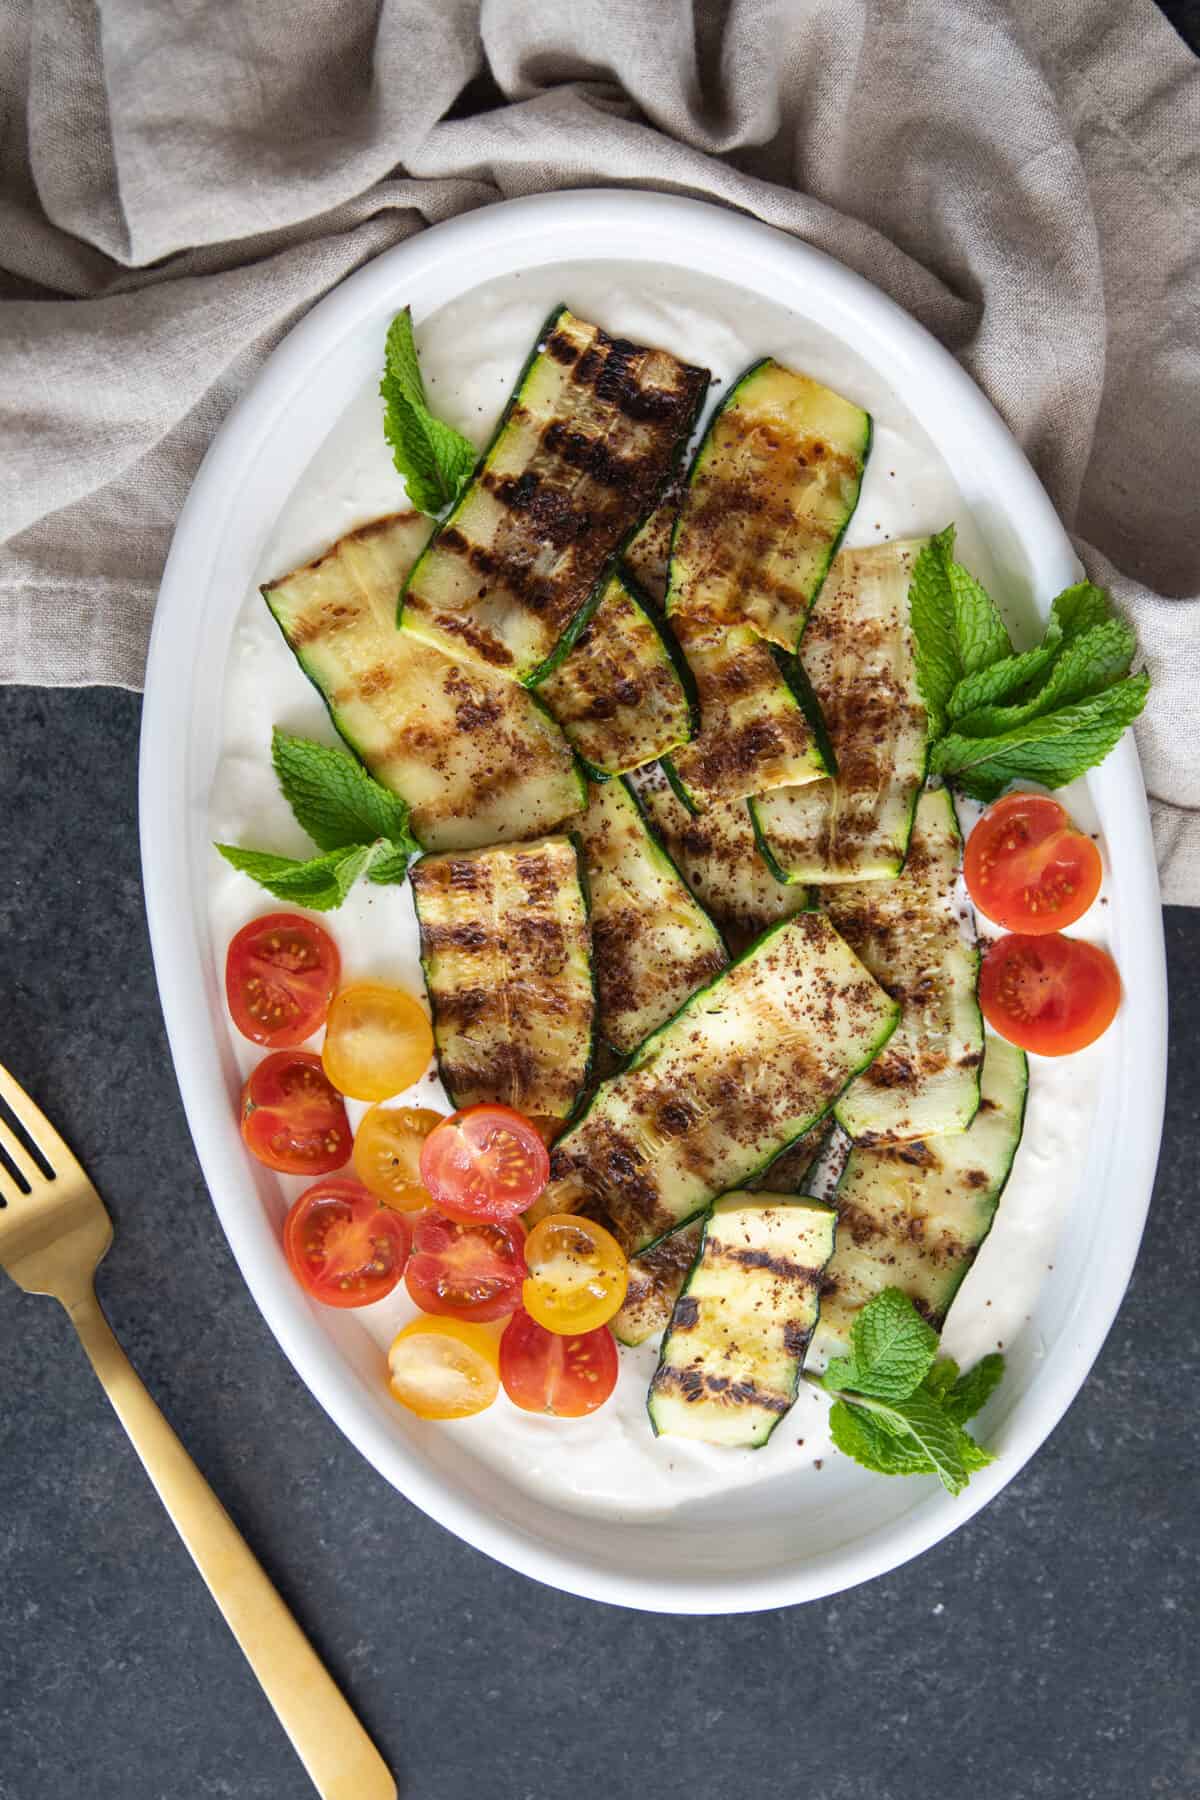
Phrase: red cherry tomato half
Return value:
(466, 1268)
(1049, 994)
(544, 1372)
(293, 1118)
(345, 1247)
(1028, 868)
(280, 975)
(485, 1163)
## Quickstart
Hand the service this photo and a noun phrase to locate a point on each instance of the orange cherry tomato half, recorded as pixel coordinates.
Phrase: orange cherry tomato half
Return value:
(485, 1163)
(344, 1247)
(1028, 868)
(545, 1372)
(444, 1368)
(293, 1118)
(1049, 994)
(578, 1274)
(377, 1042)
(387, 1153)
(466, 1269)
(280, 975)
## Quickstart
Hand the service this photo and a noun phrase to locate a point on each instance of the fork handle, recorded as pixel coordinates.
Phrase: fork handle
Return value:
(340, 1758)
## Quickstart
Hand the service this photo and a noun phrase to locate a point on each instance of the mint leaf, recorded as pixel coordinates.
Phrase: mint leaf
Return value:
(1086, 664)
(319, 883)
(921, 1418)
(974, 1456)
(389, 862)
(860, 1436)
(1053, 749)
(969, 1393)
(931, 609)
(334, 799)
(982, 634)
(891, 1349)
(942, 1377)
(957, 629)
(401, 366)
(1004, 679)
(435, 460)
(1079, 608)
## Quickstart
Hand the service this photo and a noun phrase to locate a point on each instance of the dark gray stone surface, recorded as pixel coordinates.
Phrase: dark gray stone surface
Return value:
(1045, 1652)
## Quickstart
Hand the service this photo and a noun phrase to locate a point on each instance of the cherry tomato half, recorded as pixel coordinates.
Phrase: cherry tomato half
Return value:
(485, 1163)
(1049, 994)
(1028, 868)
(444, 1368)
(280, 975)
(387, 1153)
(377, 1042)
(544, 1372)
(343, 1246)
(467, 1269)
(293, 1118)
(578, 1274)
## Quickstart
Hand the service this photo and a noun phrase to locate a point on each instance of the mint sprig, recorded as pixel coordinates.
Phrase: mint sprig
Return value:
(899, 1408)
(360, 826)
(436, 461)
(997, 716)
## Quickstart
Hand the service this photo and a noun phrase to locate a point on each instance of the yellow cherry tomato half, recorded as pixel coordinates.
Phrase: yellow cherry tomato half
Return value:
(377, 1041)
(577, 1274)
(387, 1154)
(444, 1368)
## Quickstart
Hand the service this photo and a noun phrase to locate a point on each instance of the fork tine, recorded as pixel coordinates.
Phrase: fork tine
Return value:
(17, 1168)
(38, 1129)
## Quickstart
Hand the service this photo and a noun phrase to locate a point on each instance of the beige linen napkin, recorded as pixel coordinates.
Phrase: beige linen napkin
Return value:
(178, 183)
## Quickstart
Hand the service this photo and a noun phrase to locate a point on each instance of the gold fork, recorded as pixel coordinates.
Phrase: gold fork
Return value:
(53, 1232)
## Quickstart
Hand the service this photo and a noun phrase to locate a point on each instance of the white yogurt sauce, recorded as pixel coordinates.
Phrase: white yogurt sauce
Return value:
(471, 350)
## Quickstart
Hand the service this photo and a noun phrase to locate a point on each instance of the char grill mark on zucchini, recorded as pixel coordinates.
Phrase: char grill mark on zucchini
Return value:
(505, 947)
(478, 760)
(759, 728)
(914, 1215)
(717, 855)
(623, 693)
(653, 944)
(657, 1275)
(918, 940)
(591, 434)
(860, 659)
(769, 496)
(731, 1357)
(746, 1066)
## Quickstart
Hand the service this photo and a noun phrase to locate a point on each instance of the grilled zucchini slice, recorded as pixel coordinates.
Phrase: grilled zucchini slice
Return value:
(647, 555)
(860, 659)
(623, 693)
(730, 1361)
(657, 1275)
(918, 940)
(746, 1066)
(913, 1216)
(769, 496)
(717, 855)
(586, 443)
(653, 944)
(478, 760)
(506, 951)
(759, 727)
